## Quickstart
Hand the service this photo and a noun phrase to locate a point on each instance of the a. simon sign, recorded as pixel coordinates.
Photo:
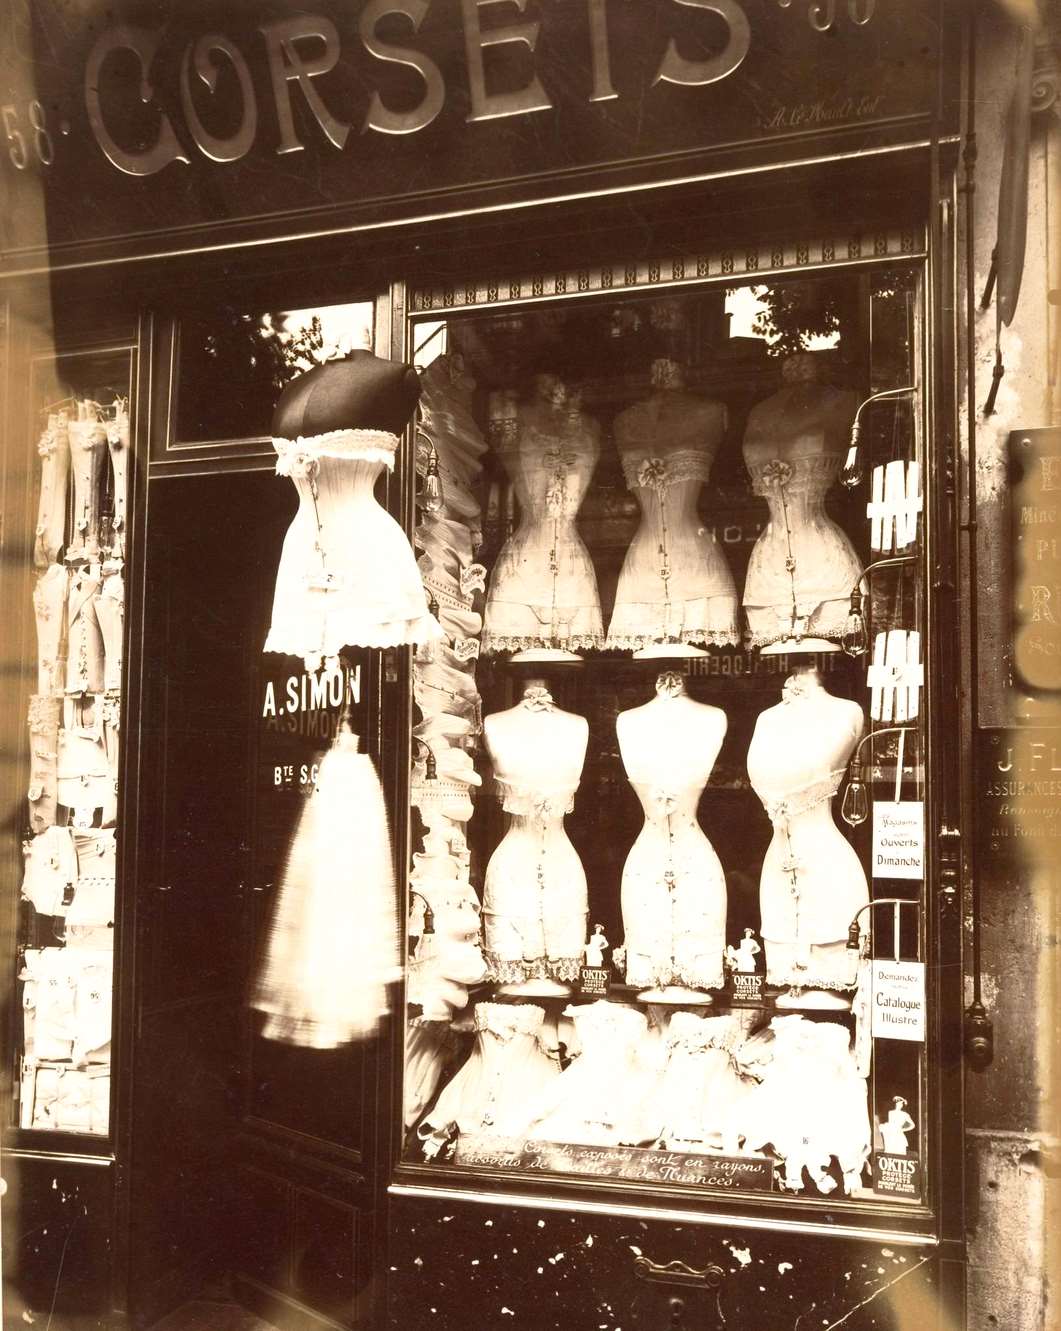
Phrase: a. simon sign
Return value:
(162, 119)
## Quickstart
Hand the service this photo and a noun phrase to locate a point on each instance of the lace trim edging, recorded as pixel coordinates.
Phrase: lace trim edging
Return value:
(500, 970)
(695, 637)
(365, 445)
(493, 643)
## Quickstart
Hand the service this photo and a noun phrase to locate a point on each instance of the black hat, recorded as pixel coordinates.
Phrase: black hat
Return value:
(359, 392)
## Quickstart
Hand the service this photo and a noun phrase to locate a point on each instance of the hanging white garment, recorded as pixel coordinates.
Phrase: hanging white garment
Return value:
(347, 574)
(333, 948)
(702, 1093)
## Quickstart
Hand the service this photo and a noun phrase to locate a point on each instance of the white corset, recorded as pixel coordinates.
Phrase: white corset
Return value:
(647, 471)
(347, 574)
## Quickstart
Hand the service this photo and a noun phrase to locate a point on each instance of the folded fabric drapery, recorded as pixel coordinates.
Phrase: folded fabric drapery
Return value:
(333, 945)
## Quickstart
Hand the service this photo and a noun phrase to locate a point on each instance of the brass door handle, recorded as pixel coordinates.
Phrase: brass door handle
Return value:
(677, 1273)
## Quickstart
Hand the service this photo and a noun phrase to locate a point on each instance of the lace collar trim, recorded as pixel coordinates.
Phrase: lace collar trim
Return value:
(295, 455)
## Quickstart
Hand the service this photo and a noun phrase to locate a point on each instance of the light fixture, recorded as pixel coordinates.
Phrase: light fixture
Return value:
(855, 638)
(429, 914)
(853, 471)
(432, 499)
(855, 808)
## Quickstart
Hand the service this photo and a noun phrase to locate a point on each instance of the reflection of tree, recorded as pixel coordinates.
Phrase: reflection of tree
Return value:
(798, 311)
(244, 362)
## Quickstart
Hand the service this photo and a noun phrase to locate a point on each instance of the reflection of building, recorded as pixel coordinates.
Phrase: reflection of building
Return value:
(146, 251)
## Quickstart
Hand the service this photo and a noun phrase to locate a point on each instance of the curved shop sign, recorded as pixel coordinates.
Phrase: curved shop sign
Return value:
(239, 111)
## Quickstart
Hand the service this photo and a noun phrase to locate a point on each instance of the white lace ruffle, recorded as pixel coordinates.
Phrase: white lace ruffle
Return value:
(501, 642)
(293, 455)
(642, 974)
(352, 629)
(798, 980)
(634, 642)
(505, 970)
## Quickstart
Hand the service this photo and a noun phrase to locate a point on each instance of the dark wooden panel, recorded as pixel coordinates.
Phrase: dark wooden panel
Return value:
(57, 1222)
(455, 1265)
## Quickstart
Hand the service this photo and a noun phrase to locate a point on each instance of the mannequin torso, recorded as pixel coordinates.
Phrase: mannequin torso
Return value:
(803, 566)
(675, 584)
(673, 890)
(535, 903)
(812, 880)
(543, 590)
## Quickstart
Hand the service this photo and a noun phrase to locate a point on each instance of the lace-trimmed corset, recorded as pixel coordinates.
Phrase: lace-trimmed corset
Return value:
(645, 470)
(88, 448)
(782, 810)
(508, 1020)
(810, 476)
(542, 804)
(300, 458)
(610, 1022)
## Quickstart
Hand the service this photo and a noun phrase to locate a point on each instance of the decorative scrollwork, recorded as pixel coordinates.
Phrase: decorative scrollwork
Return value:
(1046, 81)
(822, 16)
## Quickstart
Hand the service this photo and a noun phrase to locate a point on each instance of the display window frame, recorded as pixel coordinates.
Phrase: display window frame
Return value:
(521, 290)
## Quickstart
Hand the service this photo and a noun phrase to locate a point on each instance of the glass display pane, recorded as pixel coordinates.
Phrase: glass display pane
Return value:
(668, 790)
(234, 363)
(81, 406)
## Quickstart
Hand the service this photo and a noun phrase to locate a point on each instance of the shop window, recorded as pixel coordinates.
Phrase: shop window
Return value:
(667, 891)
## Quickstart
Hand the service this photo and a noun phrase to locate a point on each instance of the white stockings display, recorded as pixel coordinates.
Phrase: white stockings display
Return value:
(812, 880)
(803, 567)
(535, 901)
(347, 574)
(673, 888)
(675, 584)
(543, 590)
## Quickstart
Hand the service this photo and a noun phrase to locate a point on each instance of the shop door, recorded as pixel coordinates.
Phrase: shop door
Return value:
(248, 1160)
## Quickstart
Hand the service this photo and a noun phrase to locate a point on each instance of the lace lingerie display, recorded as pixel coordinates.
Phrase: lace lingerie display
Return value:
(70, 845)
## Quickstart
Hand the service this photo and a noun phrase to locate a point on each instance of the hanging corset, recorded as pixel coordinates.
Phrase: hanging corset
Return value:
(118, 444)
(44, 713)
(88, 444)
(54, 449)
(110, 614)
(50, 609)
(84, 650)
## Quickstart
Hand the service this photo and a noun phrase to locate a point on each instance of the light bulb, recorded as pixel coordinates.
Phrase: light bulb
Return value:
(432, 500)
(852, 471)
(855, 638)
(855, 808)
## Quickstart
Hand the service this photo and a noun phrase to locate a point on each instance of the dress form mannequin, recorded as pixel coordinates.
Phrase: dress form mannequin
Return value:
(673, 890)
(535, 899)
(675, 586)
(803, 567)
(347, 574)
(812, 880)
(543, 594)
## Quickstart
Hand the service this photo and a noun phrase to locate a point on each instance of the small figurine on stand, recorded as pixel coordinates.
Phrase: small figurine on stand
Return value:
(742, 957)
(594, 949)
(743, 966)
(594, 977)
(895, 1127)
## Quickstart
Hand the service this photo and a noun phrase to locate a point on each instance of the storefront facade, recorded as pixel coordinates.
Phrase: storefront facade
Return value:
(686, 287)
